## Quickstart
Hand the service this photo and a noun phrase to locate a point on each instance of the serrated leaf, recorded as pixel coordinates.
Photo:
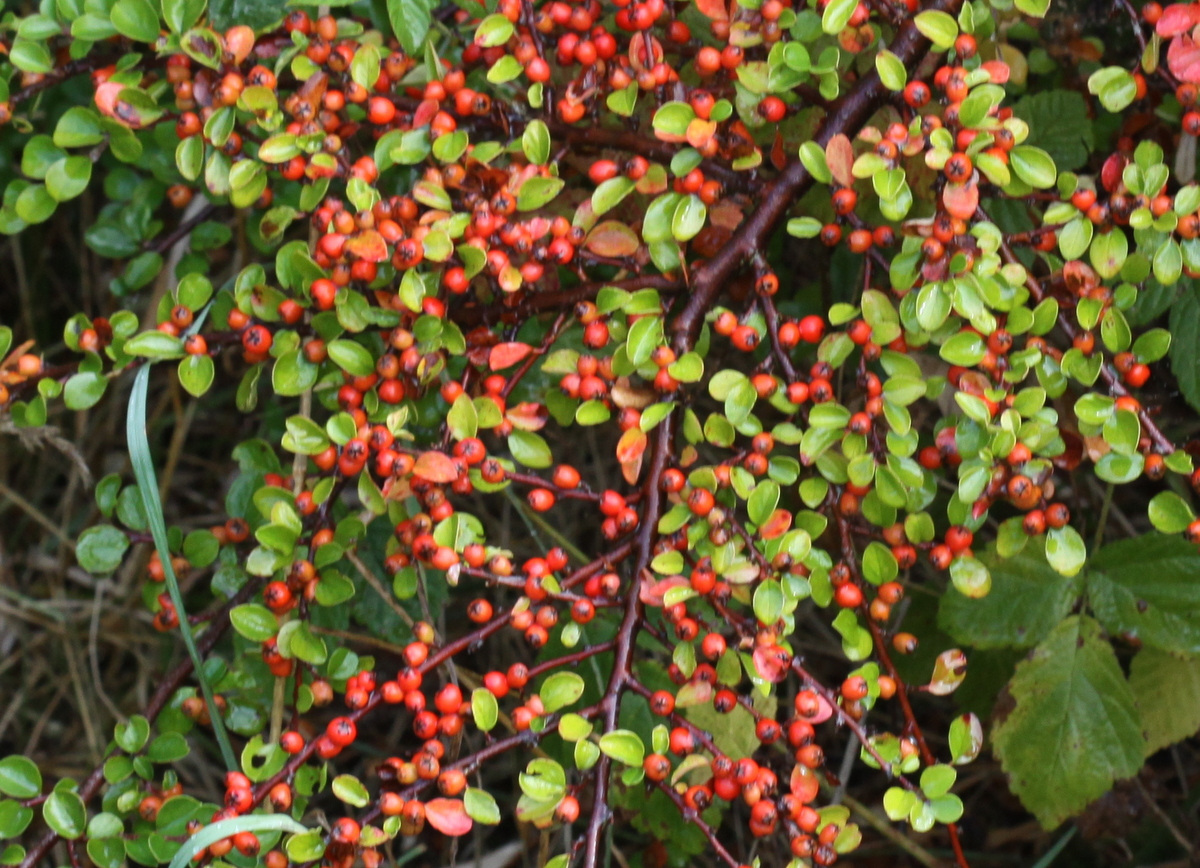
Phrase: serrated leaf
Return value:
(1072, 704)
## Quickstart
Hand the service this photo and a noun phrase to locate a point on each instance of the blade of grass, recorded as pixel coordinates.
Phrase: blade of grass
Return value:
(222, 829)
(143, 471)
(1053, 852)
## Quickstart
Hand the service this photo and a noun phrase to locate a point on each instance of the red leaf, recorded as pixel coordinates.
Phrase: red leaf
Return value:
(1183, 56)
(998, 70)
(448, 816)
(1113, 169)
(839, 154)
(436, 467)
(961, 200)
(368, 245)
(1178, 18)
(612, 238)
(778, 154)
(425, 112)
(503, 355)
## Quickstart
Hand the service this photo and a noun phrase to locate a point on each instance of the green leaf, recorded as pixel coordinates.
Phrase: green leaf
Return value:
(410, 22)
(768, 602)
(1146, 587)
(937, 780)
(84, 389)
(350, 790)
(182, 14)
(623, 746)
(610, 193)
(1027, 600)
(938, 27)
(154, 345)
(131, 735)
(351, 357)
(837, 15)
(1074, 728)
(484, 709)
(100, 549)
(1065, 550)
(1170, 513)
(530, 449)
(19, 777)
(688, 218)
(535, 142)
(481, 807)
(254, 621)
(1058, 124)
(196, 374)
(258, 15)
(1033, 166)
(137, 19)
(1185, 344)
(560, 690)
(1166, 690)
(65, 813)
(537, 192)
(225, 828)
(891, 70)
(1108, 253)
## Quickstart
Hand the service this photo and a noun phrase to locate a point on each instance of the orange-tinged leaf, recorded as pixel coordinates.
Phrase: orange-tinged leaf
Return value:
(106, 97)
(714, 9)
(612, 238)
(506, 354)
(630, 449)
(448, 816)
(368, 245)
(839, 154)
(779, 522)
(699, 132)
(436, 467)
(804, 783)
(961, 200)
(527, 416)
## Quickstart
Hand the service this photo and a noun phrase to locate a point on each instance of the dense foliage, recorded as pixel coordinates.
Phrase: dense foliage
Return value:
(588, 415)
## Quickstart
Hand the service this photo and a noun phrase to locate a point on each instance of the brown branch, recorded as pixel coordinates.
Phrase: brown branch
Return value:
(847, 118)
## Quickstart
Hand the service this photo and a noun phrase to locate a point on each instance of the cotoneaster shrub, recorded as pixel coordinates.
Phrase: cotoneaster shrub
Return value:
(571, 490)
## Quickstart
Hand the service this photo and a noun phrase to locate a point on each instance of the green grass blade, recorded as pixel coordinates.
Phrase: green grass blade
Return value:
(147, 480)
(224, 828)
